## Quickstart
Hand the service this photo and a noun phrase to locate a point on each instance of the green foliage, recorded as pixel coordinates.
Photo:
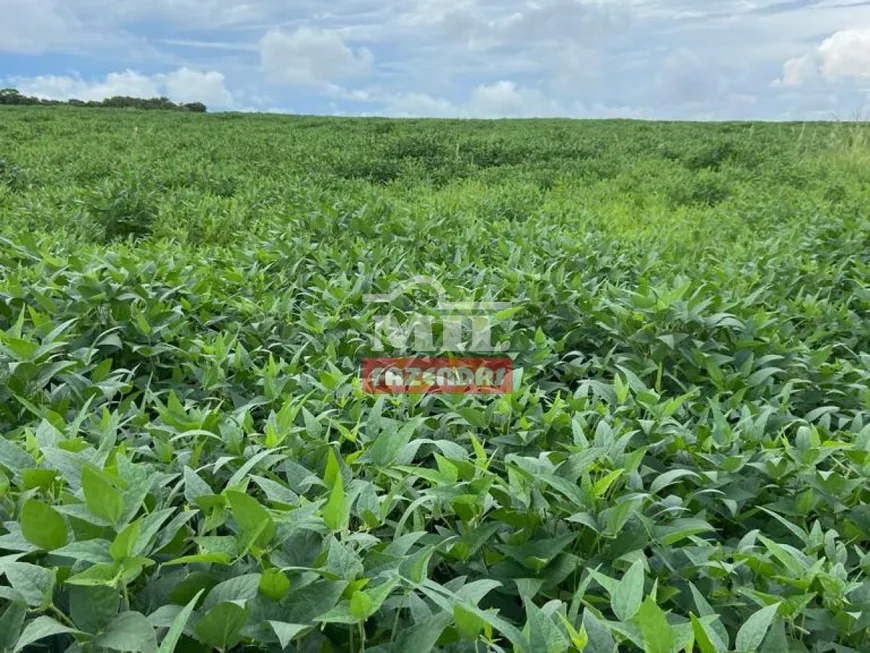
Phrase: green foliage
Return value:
(123, 211)
(11, 96)
(188, 461)
(42, 525)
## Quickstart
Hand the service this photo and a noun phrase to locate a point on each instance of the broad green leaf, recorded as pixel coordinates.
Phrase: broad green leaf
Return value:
(123, 545)
(468, 623)
(129, 631)
(217, 558)
(390, 442)
(706, 638)
(251, 516)
(380, 593)
(130, 568)
(38, 478)
(42, 525)
(339, 614)
(13, 457)
(422, 636)
(662, 481)
(706, 610)
(170, 640)
(196, 583)
(194, 486)
(285, 632)
(312, 601)
(415, 566)
(93, 608)
(628, 595)
(43, 627)
(751, 634)
(100, 574)
(151, 526)
(337, 511)
(608, 583)
(249, 464)
(617, 516)
(776, 639)
(759, 377)
(601, 487)
(475, 417)
(333, 469)
(791, 561)
(221, 626)
(542, 632)
(342, 562)
(101, 497)
(658, 635)
(476, 590)
(579, 639)
(680, 529)
(361, 605)
(33, 583)
(238, 588)
(95, 551)
(11, 624)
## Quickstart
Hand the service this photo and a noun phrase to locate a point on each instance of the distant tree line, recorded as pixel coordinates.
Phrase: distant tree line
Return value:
(13, 96)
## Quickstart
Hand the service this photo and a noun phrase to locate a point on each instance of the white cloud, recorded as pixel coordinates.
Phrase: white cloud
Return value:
(54, 87)
(414, 105)
(310, 57)
(432, 12)
(78, 26)
(211, 45)
(276, 110)
(563, 20)
(341, 93)
(481, 25)
(192, 14)
(504, 99)
(844, 54)
(182, 85)
(798, 70)
(447, 21)
(32, 26)
(564, 43)
(186, 85)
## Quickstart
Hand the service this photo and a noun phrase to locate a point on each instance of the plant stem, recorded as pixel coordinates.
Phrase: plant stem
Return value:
(396, 620)
(62, 617)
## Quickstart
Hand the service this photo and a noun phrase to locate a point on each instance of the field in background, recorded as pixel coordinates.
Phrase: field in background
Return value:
(189, 460)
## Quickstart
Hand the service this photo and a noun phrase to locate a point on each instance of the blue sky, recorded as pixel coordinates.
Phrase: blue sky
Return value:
(675, 59)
